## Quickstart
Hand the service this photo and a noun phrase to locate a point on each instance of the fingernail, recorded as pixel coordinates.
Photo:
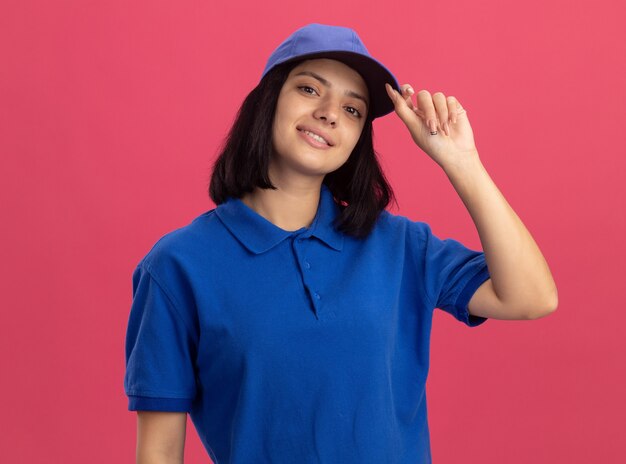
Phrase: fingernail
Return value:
(446, 128)
(433, 125)
(409, 91)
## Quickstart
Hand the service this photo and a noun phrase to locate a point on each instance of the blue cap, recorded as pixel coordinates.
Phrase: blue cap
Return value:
(342, 44)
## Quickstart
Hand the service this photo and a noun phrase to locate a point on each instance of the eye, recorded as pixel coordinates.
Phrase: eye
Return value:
(353, 111)
(304, 87)
(356, 112)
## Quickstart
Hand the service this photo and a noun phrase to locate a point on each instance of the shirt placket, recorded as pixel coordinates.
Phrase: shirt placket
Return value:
(306, 266)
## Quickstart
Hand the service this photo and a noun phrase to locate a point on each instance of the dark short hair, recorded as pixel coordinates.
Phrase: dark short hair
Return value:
(359, 186)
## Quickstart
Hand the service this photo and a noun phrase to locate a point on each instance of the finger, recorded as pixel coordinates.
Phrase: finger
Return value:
(453, 108)
(402, 109)
(441, 105)
(425, 103)
(420, 112)
(407, 91)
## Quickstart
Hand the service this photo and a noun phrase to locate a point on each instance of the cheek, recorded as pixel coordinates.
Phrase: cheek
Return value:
(349, 148)
(277, 145)
(281, 124)
(356, 136)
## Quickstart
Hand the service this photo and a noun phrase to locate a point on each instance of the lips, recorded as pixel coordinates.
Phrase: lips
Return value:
(317, 132)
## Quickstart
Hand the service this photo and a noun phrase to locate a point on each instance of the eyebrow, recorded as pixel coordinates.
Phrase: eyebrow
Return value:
(325, 82)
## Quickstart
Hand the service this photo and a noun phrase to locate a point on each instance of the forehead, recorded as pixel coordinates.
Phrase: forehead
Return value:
(334, 71)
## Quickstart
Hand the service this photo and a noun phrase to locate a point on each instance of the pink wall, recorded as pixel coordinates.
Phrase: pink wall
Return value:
(110, 116)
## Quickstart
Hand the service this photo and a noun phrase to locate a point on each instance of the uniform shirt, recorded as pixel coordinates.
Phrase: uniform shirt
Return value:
(307, 346)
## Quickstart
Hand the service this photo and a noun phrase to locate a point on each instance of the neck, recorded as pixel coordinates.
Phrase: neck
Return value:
(288, 207)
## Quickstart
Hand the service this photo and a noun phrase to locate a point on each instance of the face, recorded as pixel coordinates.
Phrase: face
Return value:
(320, 98)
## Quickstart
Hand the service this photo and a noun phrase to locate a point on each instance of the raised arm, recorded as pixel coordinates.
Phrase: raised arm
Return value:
(521, 285)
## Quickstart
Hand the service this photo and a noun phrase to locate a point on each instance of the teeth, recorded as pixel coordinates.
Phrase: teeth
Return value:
(316, 137)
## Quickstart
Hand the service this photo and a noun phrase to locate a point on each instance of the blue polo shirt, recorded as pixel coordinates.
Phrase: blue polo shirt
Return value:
(306, 346)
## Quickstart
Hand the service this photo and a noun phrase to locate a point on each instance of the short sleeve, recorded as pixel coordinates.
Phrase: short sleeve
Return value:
(453, 273)
(160, 350)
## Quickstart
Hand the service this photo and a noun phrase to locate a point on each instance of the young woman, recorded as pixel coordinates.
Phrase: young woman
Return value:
(292, 321)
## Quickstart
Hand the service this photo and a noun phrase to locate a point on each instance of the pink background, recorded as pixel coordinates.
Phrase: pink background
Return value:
(111, 113)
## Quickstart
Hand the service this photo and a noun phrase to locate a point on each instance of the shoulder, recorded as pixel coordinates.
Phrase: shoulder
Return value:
(399, 233)
(181, 245)
(399, 225)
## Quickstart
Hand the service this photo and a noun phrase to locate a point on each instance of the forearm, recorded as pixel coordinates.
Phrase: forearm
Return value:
(519, 273)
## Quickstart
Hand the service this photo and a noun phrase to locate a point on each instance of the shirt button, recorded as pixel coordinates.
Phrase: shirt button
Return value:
(307, 265)
(317, 296)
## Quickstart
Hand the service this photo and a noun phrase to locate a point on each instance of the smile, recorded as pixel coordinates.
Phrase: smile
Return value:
(314, 139)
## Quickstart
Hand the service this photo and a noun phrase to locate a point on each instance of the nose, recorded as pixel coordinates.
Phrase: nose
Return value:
(327, 112)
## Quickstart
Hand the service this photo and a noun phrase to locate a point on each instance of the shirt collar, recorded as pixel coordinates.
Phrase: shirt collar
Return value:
(260, 235)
